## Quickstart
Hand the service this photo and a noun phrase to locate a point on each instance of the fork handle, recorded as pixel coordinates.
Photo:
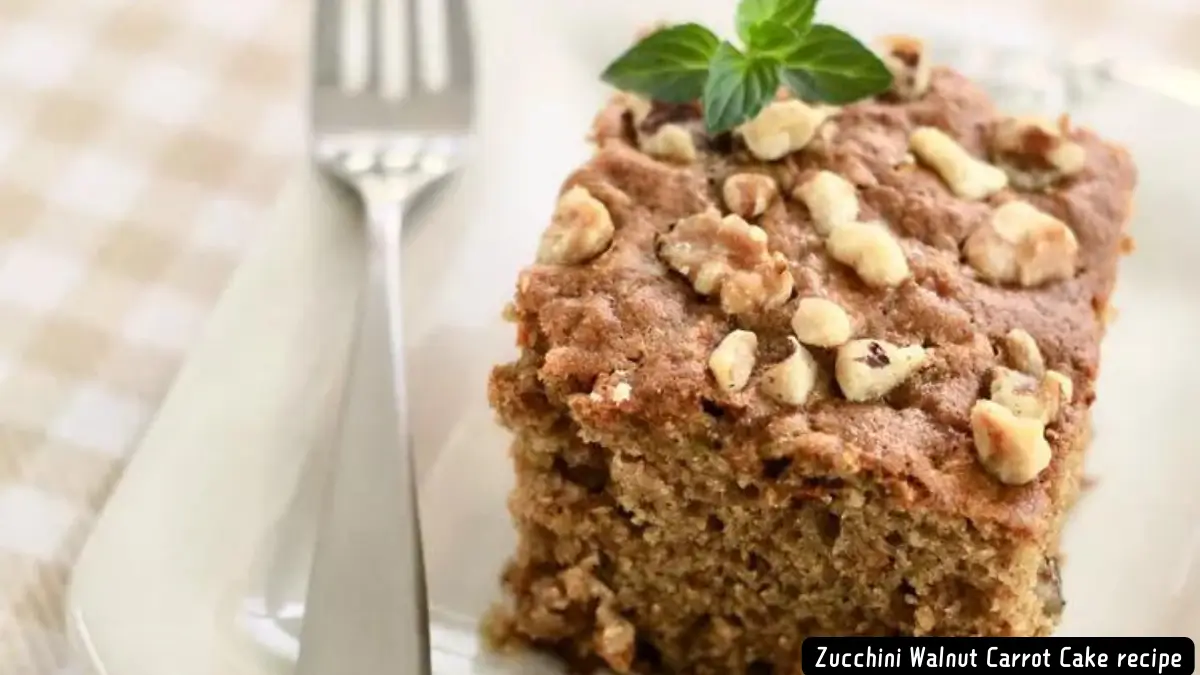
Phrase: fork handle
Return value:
(366, 613)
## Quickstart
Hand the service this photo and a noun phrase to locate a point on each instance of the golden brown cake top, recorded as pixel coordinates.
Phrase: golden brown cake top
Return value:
(841, 287)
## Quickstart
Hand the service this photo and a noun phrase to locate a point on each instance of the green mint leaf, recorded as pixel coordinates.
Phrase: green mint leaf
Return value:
(832, 67)
(738, 87)
(774, 40)
(794, 14)
(669, 65)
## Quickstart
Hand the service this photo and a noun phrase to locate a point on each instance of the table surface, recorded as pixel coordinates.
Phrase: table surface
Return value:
(141, 146)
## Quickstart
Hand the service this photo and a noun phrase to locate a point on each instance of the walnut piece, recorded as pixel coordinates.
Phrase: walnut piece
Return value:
(868, 369)
(671, 142)
(1064, 383)
(749, 194)
(1034, 398)
(733, 360)
(783, 127)
(966, 176)
(872, 250)
(1034, 152)
(831, 199)
(791, 380)
(1022, 245)
(821, 323)
(1011, 448)
(911, 68)
(663, 140)
(1023, 353)
(730, 258)
(639, 107)
(615, 639)
(580, 230)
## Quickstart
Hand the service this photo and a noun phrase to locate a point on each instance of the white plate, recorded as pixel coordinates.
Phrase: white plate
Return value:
(190, 571)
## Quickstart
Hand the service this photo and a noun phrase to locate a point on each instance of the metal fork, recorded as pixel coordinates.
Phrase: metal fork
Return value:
(366, 610)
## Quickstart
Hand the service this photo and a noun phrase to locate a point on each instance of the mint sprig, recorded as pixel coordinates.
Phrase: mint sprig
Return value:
(668, 65)
(780, 45)
(738, 87)
(794, 14)
(828, 65)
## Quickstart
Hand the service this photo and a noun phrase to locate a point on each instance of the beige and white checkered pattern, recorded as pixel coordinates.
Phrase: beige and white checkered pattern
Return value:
(141, 143)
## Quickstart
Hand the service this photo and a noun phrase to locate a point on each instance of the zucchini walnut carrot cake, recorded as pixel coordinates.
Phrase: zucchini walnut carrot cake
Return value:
(827, 374)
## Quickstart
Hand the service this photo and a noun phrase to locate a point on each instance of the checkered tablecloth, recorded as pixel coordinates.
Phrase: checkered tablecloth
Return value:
(141, 145)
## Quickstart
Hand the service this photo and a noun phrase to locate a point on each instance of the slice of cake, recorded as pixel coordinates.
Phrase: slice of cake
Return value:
(828, 374)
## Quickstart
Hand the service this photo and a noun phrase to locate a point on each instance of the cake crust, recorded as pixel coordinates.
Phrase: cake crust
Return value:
(628, 318)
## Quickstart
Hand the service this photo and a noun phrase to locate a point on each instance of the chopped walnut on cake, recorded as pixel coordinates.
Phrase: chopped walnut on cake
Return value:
(1022, 245)
(749, 194)
(663, 131)
(831, 200)
(1013, 448)
(791, 380)
(580, 230)
(821, 323)
(1029, 396)
(911, 68)
(1009, 428)
(1024, 353)
(733, 360)
(869, 369)
(1035, 153)
(729, 258)
(872, 250)
(967, 177)
(783, 127)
